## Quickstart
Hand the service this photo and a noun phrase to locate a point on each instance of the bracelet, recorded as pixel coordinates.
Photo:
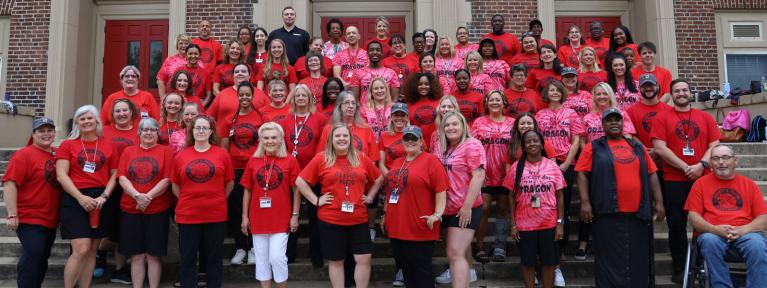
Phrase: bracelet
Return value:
(104, 195)
(318, 202)
(12, 216)
(294, 214)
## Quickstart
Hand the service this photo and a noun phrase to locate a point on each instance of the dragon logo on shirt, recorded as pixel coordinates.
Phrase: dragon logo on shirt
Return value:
(424, 115)
(647, 119)
(200, 170)
(727, 199)
(120, 143)
(687, 128)
(357, 142)
(501, 48)
(143, 170)
(206, 55)
(395, 150)
(50, 172)
(275, 179)
(99, 157)
(519, 106)
(573, 59)
(227, 78)
(469, 109)
(345, 176)
(245, 135)
(305, 138)
(623, 154)
(396, 178)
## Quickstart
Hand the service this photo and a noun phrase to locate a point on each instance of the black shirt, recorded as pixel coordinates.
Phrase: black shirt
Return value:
(296, 42)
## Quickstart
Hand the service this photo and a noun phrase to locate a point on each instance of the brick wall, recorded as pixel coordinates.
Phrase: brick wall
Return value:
(27, 59)
(696, 38)
(516, 13)
(226, 16)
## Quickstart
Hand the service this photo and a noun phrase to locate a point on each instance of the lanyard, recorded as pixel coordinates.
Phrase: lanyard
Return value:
(297, 130)
(268, 177)
(401, 172)
(686, 127)
(95, 152)
(356, 54)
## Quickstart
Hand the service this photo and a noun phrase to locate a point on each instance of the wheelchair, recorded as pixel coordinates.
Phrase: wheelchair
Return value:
(696, 272)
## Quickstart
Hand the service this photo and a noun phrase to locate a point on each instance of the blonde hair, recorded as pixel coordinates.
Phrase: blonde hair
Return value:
(610, 94)
(370, 101)
(466, 63)
(270, 60)
(79, 113)
(452, 100)
(183, 37)
(443, 142)
(391, 129)
(164, 112)
(382, 19)
(282, 151)
(436, 46)
(581, 67)
(226, 50)
(292, 98)
(330, 152)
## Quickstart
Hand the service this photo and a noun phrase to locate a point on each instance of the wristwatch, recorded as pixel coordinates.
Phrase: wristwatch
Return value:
(704, 163)
(560, 221)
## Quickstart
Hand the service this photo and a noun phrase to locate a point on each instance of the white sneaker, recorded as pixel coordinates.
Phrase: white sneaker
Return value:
(444, 277)
(559, 280)
(472, 275)
(372, 234)
(239, 257)
(399, 279)
(251, 257)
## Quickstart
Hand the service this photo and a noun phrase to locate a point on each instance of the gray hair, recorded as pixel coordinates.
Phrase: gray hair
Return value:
(337, 112)
(129, 68)
(148, 122)
(79, 113)
(728, 147)
(276, 82)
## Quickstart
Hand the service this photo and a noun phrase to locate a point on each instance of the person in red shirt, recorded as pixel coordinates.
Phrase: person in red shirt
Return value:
(211, 51)
(728, 211)
(506, 43)
(278, 107)
(170, 64)
(480, 82)
(621, 38)
(239, 136)
(382, 36)
(647, 51)
(577, 99)
(470, 102)
(422, 91)
(462, 45)
(426, 63)
(683, 138)
(597, 41)
(350, 59)
(180, 84)
(31, 194)
(537, 210)
(416, 195)
(530, 54)
(430, 41)
(419, 45)
(226, 103)
(390, 146)
(520, 98)
(569, 52)
(123, 132)
(129, 78)
(144, 174)
(446, 63)
(630, 55)
(376, 110)
(257, 55)
(363, 77)
(86, 168)
(302, 68)
(170, 116)
(620, 204)
(177, 140)
(245, 36)
(330, 90)
(315, 63)
(343, 173)
(200, 78)
(589, 72)
(347, 111)
(270, 193)
(276, 67)
(536, 27)
(202, 179)
(402, 63)
(621, 81)
(645, 111)
(303, 125)
(548, 69)
(604, 98)
(223, 74)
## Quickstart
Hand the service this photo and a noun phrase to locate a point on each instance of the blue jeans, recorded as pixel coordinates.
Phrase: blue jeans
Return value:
(753, 247)
(36, 242)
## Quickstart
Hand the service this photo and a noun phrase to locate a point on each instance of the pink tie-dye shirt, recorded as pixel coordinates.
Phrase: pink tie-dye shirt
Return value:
(593, 125)
(460, 162)
(495, 138)
(350, 61)
(330, 50)
(498, 70)
(559, 127)
(363, 77)
(481, 83)
(444, 69)
(541, 179)
(580, 102)
(626, 98)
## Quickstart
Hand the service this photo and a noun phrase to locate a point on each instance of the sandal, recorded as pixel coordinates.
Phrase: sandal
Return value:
(482, 257)
(499, 255)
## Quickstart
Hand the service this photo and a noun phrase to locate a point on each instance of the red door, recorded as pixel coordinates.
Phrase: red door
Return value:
(564, 23)
(142, 43)
(367, 26)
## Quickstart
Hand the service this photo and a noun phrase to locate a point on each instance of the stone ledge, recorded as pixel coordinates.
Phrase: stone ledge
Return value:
(22, 110)
(755, 103)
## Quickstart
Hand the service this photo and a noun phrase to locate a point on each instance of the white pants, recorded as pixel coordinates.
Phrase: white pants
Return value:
(270, 256)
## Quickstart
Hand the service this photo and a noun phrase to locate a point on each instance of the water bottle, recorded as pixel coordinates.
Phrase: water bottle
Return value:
(726, 90)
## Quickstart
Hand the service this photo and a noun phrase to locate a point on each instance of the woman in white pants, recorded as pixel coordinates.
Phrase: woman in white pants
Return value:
(269, 181)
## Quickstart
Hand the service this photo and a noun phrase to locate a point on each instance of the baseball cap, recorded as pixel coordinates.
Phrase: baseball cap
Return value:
(569, 71)
(399, 107)
(610, 111)
(647, 78)
(413, 130)
(42, 121)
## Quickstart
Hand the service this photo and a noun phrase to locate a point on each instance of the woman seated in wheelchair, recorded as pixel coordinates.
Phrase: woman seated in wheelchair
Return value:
(728, 211)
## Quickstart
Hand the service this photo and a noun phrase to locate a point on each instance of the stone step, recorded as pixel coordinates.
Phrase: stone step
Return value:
(6, 153)
(752, 161)
(383, 269)
(749, 148)
(757, 174)
(3, 165)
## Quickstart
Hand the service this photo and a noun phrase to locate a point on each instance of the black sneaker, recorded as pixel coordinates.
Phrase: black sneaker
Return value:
(121, 276)
(580, 255)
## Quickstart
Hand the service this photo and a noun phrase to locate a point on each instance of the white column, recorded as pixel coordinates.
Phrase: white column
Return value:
(666, 34)
(176, 23)
(546, 16)
(446, 17)
(424, 10)
(61, 63)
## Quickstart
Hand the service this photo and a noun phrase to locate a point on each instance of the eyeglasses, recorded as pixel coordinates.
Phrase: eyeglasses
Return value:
(721, 158)
(201, 129)
(130, 76)
(410, 139)
(146, 130)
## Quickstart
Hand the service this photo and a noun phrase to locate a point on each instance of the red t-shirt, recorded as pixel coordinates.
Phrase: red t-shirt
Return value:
(538, 77)
(271, 114)
(531, 60)
(662, 75)
(417, 184)
(392, 146)
(38, 192)
(202, 177)
(558, 127)
(276, 73)
(224, 75)
(444, 68)
(422, 114)
(498, 70)
(202, 80)
(364, 76)
(258, 61)
(364, 141)
(526, 101)
(145, 168)
(338, 179)
(315, 85)
(211, 52)
(77, 152)
(733, 202)
(327, 111)
(626, 167)
(167, 129)
(402, 66)
(641, 115)
(590, 79)
(460, 162)
(542, 179)
(244, 140)
(226, 103)
(143, 100)
(495, 138)
(628, 45)
(568, 55)
(121, 139)
(580, 102)
(601, 46)
(506, 44)
(625, 97)
(302, 72)
(593, 125)
(471, 104)
(280, 175)
(673, 127)
(350, 60)
(308, 130)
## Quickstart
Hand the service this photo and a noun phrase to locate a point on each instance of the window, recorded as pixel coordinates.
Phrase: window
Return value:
(5, 30)
(743, 45)
(746, 30)
(744, 68)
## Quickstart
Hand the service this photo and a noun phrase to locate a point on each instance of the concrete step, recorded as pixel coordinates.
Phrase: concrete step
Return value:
(749, 148)
(6, 153)
(756, 174)
(752, 161)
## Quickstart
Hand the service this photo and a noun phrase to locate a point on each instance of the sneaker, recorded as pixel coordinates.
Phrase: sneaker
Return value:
(239, 257)
(559, 280)
(472, 275)
(372, 234)
(399, 279)
(580, 255)
(536, 280)
(499, 255)
(251, 257)
(101, 264)
(121, 276)
(444, 277)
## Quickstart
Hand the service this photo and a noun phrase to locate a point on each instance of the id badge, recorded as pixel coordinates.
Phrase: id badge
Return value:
(231, 132)
(688, 151)
(347, 206)
(535, 201)
(89, 167)
(295, 153)
(259, 60)
(400, 76)
(265, 202)
(350, 74)
(394, 197)
(144, 114)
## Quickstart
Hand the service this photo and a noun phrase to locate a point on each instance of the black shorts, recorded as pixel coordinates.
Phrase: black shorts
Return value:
(495, 190)
(452, 220)
(144, 233)
(112, 209)
(75, 220)
(538, 247)
(336, 240)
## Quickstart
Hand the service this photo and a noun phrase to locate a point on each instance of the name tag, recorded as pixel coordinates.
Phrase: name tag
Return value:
(89, 167)
(688, 151)
(259, 60)
(144, 114)
(350, 74)
(535, 201)
(347, 206)
(231, 132)
(394, 197)
(265, 202)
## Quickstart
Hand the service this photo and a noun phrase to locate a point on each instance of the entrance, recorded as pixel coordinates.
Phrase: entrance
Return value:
(142, 43)
(564, 23)
(367, 26)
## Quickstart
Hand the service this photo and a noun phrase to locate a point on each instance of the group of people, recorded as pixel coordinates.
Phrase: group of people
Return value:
(428, 139)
